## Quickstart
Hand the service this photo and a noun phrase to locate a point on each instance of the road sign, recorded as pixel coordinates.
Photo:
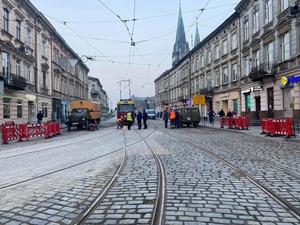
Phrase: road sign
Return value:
(198, 99)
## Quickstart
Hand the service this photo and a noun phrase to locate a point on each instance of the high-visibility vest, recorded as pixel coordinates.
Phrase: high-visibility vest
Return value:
(172, 115)
(129, 118)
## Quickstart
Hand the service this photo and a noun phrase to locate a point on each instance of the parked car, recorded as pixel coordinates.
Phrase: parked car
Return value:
(151, 113)
(189, 115)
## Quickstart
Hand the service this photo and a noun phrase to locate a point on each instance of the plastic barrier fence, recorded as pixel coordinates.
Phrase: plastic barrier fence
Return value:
(11, 131)
(277, 127)
(236, 122)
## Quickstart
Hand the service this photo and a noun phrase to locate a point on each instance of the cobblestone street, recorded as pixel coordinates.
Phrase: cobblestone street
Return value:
(211, 176)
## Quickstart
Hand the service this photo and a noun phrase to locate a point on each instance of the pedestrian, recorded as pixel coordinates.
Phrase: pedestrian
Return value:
(221, 113)
(129, 120)
(177, 119)
(172, 118)
(233, 113)
(166, 118)
(211, 115)
(139, 119)
(119, 123)
(145, 117)
(40, 117)
(229, 114)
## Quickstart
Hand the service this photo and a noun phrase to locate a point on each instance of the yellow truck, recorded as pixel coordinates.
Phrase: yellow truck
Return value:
(84, 113)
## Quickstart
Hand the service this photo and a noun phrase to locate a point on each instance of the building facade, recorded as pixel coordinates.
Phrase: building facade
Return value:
(249, 64)
(97, 94)
(32, 77)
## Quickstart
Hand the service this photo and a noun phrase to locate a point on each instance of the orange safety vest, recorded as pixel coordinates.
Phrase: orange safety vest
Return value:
(172, 115)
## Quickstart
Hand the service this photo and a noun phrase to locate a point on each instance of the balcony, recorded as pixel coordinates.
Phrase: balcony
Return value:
(94, 93)
(262, 71)
(13, 81)
(206, 91)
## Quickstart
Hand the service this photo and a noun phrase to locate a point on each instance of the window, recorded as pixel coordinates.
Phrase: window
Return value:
(5, 64)
(225, 75)
(208, 57)
(255, 21)
(18, 67)
(284, 4)
(234, 41)
(45, 109)
(256, 58)
(44, 48)
(217, 51)
(225, 50)
(202, 61)
(217, 78)
(18, 29)
(285, 46)
(268, 11)
(29, 36)
(6, 20)
(197, 64)
(44, 78)
(270, 52)
(246, 30)
(247, 66)
(19, 108)
(193, 67)
(234, 72)
(6, 108)
(28, 74)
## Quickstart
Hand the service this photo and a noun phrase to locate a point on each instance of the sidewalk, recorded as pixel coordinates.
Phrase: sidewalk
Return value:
(253, 130)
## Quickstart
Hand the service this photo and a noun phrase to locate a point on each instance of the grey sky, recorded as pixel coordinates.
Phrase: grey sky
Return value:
(94, 28)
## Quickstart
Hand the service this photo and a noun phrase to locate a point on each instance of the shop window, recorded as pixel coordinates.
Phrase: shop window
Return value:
(247, 102)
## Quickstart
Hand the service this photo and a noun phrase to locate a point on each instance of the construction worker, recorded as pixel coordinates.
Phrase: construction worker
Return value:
(172, 118)
(119, 123)
(129, 120)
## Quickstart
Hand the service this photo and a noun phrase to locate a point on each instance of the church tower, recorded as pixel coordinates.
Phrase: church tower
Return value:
(181, 47)
(197, 36)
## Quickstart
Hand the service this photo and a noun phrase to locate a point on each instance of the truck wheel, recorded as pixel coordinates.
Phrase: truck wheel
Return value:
(87, 124)
(188, 124)
(195, 124)
(69, 127)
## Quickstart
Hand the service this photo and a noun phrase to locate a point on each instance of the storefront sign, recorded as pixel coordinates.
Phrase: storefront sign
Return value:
(246, 91)
(285, 80)
(257, 88)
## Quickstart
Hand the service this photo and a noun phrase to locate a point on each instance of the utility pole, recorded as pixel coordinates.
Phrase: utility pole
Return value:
(125, 86)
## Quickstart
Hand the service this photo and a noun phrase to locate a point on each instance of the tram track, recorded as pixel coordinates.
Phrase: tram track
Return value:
(160, 195)
(67, 167)
(56, 146)
(247, 174)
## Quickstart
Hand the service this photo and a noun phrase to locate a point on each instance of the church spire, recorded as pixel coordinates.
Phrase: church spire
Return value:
(181, 47)
(197, 36)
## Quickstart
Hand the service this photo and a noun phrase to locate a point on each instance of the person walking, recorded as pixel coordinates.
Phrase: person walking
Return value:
(166, 118)
(145, 117)
(211, 115)
(229, 114)
(40, 117)
(129, 120)
(177, 119)
(139, 117)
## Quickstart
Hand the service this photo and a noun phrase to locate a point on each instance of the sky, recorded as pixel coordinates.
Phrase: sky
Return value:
(130, 41)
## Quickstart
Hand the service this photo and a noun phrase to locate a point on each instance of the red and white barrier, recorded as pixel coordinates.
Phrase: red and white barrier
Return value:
(236, 122)
(10, 131)
(277, 127)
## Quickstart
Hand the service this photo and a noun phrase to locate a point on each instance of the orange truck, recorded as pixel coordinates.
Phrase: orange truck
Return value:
(84, 113)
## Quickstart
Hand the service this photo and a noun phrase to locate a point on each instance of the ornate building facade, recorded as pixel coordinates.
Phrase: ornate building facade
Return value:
(249, 64)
